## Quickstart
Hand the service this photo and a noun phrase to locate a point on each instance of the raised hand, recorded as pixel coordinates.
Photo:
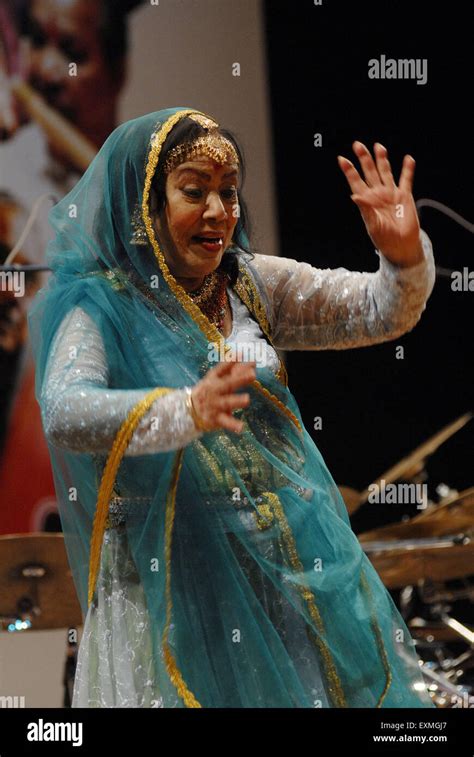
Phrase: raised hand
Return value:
(388, 210)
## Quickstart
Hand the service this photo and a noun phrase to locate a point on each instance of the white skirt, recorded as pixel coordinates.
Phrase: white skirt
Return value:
(115, 666)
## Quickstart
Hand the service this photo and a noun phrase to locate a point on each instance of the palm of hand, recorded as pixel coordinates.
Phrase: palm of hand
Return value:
(388, 211)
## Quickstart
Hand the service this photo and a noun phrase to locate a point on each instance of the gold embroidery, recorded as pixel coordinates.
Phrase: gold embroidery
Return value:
(139, 236)
(212, 333)
(335, 686)
(126, 431)
(248, 293)
(205, 121)
(264, 514)
(113, 276)
(120, 444)
(109, 474)
(379, 640)
(173, 671)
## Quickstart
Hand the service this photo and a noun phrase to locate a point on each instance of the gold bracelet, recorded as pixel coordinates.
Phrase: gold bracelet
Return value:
(198, 422)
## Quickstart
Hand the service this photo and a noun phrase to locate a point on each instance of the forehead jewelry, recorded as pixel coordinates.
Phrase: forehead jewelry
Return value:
(212, 144)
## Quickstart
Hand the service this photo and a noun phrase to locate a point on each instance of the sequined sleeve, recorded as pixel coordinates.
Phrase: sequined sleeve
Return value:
(80, 412)
(312, 308)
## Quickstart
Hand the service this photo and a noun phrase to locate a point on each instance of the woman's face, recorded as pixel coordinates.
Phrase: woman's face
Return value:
(201, 201)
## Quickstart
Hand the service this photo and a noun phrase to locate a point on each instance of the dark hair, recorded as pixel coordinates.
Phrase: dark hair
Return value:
(185, 132)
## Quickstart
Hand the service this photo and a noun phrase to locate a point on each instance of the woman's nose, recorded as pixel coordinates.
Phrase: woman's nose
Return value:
(214, 207)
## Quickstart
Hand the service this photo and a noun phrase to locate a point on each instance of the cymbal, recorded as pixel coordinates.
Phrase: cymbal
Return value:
(409, 466)
(352, 498)
(35, 566)
(437, 631)
(452, 517)
(400, 566)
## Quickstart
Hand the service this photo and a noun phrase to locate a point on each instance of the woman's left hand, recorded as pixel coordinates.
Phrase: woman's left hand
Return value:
(389, 211)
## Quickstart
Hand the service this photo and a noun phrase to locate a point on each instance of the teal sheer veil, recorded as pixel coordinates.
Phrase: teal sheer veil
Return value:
(229, 513)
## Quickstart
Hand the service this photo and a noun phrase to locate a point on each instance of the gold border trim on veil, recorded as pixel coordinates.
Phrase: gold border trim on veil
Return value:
(173, 671)
(211, 332)
(249, 294)
(125, 433)
(335, 686)
(109, 475)
(378, 638)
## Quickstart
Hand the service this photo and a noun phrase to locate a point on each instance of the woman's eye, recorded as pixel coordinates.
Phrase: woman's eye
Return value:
(193, 192)
(227, 194)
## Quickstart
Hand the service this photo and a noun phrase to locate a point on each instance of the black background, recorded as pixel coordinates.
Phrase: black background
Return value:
(375, 408)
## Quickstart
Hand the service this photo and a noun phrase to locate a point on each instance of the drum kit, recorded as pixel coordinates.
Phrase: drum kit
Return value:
(427, 559)
(37, 592)
(427, 564)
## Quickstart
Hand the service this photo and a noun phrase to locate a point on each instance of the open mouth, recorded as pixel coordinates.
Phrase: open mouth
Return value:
(211, 244)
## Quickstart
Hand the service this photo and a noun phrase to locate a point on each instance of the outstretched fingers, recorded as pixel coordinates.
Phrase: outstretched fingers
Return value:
(376, 174)
(369, 168)
(352, 175)
(383, 165)
(407, 174)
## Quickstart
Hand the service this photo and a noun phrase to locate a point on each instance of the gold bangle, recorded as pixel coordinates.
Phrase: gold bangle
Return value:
(198, 422)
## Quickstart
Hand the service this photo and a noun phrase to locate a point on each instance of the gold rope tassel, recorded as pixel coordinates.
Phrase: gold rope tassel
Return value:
(119, 446)
(114, 459)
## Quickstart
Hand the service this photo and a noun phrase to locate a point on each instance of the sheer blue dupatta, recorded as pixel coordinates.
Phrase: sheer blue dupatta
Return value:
(257, 591)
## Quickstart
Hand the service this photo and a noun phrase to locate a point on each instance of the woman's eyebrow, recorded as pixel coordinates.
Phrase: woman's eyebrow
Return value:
(205, 175)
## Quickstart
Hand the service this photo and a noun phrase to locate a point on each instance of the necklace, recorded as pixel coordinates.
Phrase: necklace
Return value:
(206, 290)
(211, 297)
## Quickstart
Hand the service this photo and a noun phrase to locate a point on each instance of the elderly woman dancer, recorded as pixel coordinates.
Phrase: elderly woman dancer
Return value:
(211, 550)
